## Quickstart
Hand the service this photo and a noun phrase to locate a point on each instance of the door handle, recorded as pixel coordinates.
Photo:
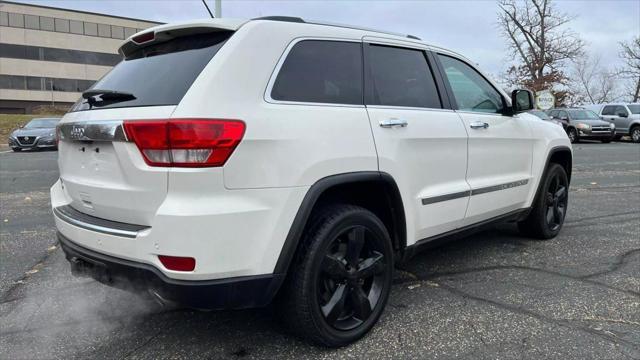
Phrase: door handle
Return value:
(479, 125)
(393, 123)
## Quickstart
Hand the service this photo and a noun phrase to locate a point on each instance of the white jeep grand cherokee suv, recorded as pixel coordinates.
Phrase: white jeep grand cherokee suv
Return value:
(225, 163)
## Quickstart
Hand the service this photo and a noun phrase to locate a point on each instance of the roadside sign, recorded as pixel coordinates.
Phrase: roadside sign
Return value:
(545, 100)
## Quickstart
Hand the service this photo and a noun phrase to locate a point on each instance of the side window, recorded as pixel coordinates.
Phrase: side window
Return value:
(553, 113)
(401, 77)
(621, 110)
(321, 71)
(563, 115)
(609, 110)
(471, 91)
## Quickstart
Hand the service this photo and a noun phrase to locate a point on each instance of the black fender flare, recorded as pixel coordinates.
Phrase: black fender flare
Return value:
(313, 194)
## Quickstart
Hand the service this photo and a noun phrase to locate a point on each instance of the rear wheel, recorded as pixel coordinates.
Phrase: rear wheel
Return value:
(341, 278)
(635, 134)
(573, 135)
(550, 206)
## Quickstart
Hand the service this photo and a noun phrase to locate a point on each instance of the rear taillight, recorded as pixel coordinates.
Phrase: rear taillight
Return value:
(185, 142)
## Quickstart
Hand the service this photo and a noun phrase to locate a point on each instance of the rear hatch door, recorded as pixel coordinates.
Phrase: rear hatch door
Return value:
(102, 172)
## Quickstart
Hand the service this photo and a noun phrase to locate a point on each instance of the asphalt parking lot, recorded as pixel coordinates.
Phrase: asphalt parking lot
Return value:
(493, 295)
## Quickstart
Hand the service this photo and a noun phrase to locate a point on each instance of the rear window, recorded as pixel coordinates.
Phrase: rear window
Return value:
(401, 77)
(320, 71)
(159, 74)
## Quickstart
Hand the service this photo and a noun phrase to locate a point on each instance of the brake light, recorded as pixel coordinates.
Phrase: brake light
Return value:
(144, 37)
(178, 263)
(185, 142)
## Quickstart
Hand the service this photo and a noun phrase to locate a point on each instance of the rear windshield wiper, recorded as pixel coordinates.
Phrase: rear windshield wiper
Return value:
(106, 96)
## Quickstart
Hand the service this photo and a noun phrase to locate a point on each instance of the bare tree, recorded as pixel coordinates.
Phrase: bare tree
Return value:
(630, 54)
(539, 42)
(591, 82)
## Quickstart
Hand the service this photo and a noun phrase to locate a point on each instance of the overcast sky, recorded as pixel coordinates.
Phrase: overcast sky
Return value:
(468, 27)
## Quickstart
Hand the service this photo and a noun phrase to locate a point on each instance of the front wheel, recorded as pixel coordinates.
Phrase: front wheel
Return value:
(341, 278)
(635, 134)
(550, 206)
(573, 135)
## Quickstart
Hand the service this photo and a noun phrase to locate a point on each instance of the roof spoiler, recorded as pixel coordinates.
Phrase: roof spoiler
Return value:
(163, 33)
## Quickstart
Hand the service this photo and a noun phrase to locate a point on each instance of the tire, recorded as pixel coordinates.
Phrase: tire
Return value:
(635, 134)
(572, 133)
(326, 299)
(16, 149)
(549, 207)
(606, 141)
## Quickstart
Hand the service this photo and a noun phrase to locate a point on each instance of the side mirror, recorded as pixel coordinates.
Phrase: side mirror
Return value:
(521, 100)
(623, 115)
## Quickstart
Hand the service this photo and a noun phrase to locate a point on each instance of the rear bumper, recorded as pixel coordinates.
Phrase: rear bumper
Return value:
(231, 293)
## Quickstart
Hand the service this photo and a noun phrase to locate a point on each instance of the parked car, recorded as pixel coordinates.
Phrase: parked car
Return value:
(626, 117)
(584, 124)
(39, 133)
(544, 116)
(223, 162)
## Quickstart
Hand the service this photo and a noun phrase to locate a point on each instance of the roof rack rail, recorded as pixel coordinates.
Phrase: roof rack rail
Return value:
(295, 19)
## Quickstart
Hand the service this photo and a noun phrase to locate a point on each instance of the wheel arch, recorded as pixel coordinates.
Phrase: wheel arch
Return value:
(351, 185)
(557, 155)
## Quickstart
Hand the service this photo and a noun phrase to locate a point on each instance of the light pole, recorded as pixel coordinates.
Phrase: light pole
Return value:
(53, 102)
(218, 6)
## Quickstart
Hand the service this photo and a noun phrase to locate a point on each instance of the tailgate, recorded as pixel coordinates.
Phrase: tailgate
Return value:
(102, 174)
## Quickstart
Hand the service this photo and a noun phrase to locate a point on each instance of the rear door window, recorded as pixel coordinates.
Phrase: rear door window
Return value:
(401, 77)
(609, 110)
(159, 74)
(321, 71)
(621, 111)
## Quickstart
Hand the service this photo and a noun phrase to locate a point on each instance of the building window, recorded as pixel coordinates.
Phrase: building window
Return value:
(16, 20)
(14, 82)
(32, 22)
(117, 32)
(128, 32)
(35, 83)
(60, 55)
(104, 30)
(4, 19)
(90, 29)
(19, 82)
(75, 27)
(46, 23)
(62, 25)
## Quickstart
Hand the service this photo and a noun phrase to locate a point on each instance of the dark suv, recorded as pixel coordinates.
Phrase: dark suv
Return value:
(584, 124)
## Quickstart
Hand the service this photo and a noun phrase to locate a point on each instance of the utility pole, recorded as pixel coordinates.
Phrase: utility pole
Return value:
(218, 8)
(53, 102)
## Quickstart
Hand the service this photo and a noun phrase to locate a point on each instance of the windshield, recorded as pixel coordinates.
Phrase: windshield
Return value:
(583, 115)
(635, 109)
(159, 74)
(541, 114)
(41, 124)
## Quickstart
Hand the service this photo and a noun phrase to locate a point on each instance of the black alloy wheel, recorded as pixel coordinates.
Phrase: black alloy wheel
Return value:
(351, 278)
(549, 208)
(556, 201)
(340, 280)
